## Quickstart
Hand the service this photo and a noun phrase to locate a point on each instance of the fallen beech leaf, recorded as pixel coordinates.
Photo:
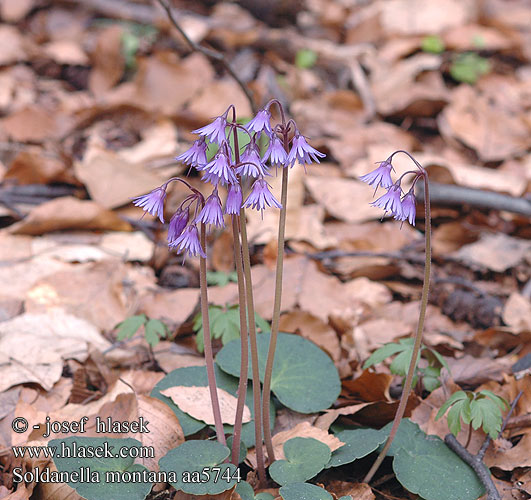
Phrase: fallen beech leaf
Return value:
(497, 252)
(517, 313)
(492, 130)
(66, 52)
(12, 44)
(93, 291)
(369, 386)
(107, 60)
(174, 306)
(195, 401)
(165, 432)
(68, 213)
(428, 17)
(13, 11)
(34, 346)
(359, 491)
(338, 195)
(113, 181)
(35, 123)
(312, 328)
(325, 421)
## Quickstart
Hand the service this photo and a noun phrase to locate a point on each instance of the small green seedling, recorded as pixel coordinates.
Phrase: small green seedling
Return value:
(404, 349)
(481, 409)
(469, 67)
(432, 44)
(224, 325)
(219, 278)
(305, 58)
(154, 329)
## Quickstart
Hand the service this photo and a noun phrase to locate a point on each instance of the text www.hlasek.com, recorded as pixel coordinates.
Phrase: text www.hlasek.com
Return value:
(104, 451)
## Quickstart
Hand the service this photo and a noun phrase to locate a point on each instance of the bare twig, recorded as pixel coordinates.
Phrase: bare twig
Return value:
(212, 54)
(450, 194)
(476, 461)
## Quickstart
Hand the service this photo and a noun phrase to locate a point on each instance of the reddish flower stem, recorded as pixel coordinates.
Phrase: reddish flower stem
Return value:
(418, 335)
(211, 375)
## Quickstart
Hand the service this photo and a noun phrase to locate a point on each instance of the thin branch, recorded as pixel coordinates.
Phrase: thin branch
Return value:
(212, 54)
(448, 194)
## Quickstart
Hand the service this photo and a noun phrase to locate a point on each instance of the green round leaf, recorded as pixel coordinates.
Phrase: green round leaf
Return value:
(200, 468)
(300, 491)
(304, 378)
(305, 58)
(108, 477)
(305, 458)
(358, 444)
(426, 458)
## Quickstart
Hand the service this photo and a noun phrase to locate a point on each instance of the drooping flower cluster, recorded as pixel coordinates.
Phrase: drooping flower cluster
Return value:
(402, 206)
(232, 167)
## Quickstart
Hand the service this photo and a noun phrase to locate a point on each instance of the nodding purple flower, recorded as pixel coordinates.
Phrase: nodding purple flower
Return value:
(189, 242)
(253, 166)
(302, 151)
(276, 152)
(234, 200)
(196, 155)
(212, 213)
(218, 171)
(215, 131)
(153, 202)
(260, 196)
(390, 201)
(408, 208)
(381, 176)
(262, 121)
(177, 224)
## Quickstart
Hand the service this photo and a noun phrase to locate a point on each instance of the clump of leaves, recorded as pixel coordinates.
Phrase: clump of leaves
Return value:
(224, 324)
(154, 329)
(481, 409)
(469, 67)
(432, 44)
(404, 350)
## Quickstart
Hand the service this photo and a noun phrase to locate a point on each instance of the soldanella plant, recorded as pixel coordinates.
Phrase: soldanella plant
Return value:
(242, 173)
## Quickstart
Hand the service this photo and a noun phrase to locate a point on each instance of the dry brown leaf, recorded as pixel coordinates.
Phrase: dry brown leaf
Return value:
(12, 44)
(369, 386)
(517, 313)
(68, 213)
(312, 328)
(225, 495)
(400, 89)
(358, 491)
(305, 430)
(165, 432)
(36, 166)
(35, 124)
(57, 491)
(174, 306)
(425, 16)
(473, 371)
(482, 123)
(112, 181)
(325, 421)
(108, 61)
(196, 402)
(66, 52)
(347, 200)
(13, 11)
(34, 346)
(154, 85)
(93, 291)
(497, 252)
